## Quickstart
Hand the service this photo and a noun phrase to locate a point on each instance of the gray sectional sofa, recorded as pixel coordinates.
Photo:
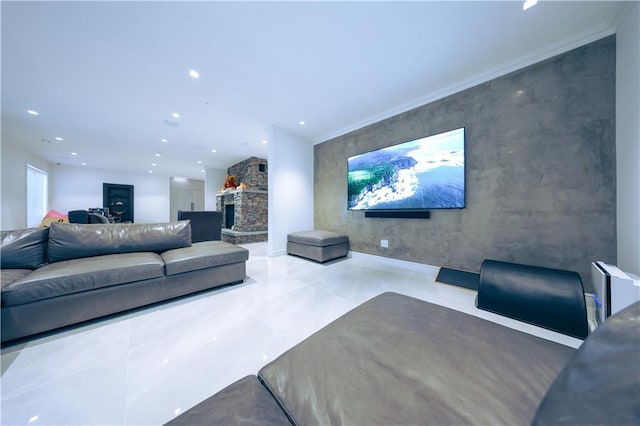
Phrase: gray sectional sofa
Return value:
(70, 273)
(402, 361)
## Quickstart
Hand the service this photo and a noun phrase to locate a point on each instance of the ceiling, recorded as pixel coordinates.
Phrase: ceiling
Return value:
(107, 76)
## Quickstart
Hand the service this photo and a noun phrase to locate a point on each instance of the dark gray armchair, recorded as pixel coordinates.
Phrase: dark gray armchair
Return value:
(205, 225)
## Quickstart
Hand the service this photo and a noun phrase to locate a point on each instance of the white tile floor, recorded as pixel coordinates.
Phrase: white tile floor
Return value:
(147, 366)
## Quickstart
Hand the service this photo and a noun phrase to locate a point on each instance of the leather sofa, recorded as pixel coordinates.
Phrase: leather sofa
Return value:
(70, 273)
(399, 360)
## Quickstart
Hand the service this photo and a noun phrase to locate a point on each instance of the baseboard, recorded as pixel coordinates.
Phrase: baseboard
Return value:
(281, 252)
(414, 266)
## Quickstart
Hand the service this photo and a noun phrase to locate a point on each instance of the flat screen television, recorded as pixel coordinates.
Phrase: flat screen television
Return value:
(425, 173)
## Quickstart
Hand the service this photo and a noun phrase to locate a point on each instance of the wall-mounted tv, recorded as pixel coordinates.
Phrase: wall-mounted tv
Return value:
(426, 173)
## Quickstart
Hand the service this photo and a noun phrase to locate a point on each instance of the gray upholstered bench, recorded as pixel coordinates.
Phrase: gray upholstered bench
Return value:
(320, 246)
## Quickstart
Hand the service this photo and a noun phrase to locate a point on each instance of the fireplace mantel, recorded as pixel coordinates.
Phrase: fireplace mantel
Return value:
(235, 191)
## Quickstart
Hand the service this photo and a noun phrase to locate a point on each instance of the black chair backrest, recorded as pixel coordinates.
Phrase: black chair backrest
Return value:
(78, 216)
(205, 225)
(549, 298)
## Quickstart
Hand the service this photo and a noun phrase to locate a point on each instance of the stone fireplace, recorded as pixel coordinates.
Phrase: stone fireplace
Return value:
(245, 211)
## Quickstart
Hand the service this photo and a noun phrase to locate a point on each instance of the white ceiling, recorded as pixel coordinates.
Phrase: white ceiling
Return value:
(105, 76)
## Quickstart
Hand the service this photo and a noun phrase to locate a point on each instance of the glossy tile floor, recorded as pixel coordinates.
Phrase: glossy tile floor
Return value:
(147, 366)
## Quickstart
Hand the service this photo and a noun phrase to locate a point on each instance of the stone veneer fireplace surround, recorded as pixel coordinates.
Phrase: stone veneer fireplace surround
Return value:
(245, 211)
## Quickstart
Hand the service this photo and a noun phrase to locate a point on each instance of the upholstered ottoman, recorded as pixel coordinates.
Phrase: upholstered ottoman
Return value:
(320, 246)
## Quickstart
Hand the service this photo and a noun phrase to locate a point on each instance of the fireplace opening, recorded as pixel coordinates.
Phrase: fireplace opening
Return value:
(229, 215)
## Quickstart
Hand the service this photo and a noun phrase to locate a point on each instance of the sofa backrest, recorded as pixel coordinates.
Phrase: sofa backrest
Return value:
(24, 248)
(72, 240)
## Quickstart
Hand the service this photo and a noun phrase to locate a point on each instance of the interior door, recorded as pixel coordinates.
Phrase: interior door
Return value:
(186, 194)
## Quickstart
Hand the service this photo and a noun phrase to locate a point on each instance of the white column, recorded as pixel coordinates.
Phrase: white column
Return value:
(628, 139)
(290, 188)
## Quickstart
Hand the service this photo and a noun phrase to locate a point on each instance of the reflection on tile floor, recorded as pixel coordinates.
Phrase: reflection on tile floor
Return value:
(147, 366)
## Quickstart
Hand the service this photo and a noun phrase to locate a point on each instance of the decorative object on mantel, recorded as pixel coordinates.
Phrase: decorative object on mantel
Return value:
(230, 182)
(242, 186)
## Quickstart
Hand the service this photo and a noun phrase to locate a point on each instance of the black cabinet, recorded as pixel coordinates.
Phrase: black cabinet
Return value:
(119, 200)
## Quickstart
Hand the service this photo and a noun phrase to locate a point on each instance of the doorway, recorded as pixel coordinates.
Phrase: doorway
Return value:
(185, 194)
(119, 200)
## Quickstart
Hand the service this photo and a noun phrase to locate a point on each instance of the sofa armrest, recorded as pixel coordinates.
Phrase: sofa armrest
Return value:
(601, 383)
(549, 298)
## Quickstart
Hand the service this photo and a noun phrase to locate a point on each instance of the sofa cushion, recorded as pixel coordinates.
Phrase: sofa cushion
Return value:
(245, 402)
(78, 275)
(72, 241)
(601, 383)
(317, 238)
(205, 254)
(449, 367)
(24, 248)
(7, 276)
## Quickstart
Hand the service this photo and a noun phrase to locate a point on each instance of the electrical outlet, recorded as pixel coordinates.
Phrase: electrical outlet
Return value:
(384, 243)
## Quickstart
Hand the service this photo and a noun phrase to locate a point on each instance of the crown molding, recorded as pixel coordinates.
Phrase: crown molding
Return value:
(580, 39)
(619, 13)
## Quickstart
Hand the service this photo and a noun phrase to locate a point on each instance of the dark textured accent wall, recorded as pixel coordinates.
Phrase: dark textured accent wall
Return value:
(540, 171)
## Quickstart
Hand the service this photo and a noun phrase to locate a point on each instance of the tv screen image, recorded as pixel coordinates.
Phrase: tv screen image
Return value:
(426, 173)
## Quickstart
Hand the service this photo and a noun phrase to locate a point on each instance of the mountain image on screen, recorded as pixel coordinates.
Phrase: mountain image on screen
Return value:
(426, 173)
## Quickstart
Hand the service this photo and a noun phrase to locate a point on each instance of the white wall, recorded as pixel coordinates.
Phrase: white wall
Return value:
(213, 181)
(628, 140)
(73, 188)
(14, 185)
(290, 188)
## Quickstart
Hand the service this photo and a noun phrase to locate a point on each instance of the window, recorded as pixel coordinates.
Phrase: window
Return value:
(36, 195)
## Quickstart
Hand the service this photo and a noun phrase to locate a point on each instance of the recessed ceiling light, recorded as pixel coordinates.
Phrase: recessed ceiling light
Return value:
(175, 115)
(214, 151)
(264, 141)
(529, 3)
(153, 164)
(199, 161)
(58, 138)
(157, 154)
(194, 73)
(74, 153)
(150, 171)
(164, 140)
(301, 123)
(84, 164)
(202, 171)
(32, 112)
